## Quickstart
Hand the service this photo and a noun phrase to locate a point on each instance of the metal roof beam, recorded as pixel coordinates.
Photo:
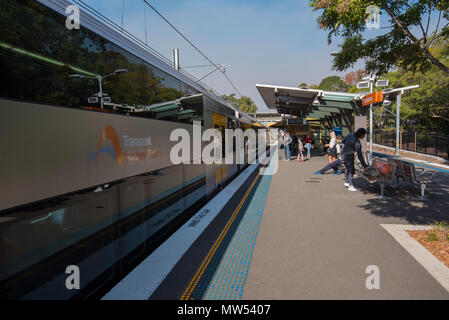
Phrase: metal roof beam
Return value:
(300, 100)
(335, 104)
(318, 114)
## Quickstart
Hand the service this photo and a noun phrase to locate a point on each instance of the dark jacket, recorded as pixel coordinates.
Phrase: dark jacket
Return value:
(352, 145)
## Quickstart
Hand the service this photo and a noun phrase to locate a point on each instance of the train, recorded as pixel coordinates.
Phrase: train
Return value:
(86, 178)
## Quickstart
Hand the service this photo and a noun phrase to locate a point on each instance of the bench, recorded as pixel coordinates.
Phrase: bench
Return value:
(408, 173)
(382, 172)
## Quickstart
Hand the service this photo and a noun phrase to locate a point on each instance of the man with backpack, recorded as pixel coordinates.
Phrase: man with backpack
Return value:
(352, 145)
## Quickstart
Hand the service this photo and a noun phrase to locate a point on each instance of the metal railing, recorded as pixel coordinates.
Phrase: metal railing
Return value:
(422, 142)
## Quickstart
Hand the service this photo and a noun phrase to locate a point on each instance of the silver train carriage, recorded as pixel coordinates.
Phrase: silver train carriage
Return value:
(86, 177)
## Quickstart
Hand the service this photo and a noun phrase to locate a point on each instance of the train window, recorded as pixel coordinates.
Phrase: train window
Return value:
(93, 229)
(57, 66)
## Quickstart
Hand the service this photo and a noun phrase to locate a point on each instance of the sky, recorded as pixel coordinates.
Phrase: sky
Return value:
(259, 41)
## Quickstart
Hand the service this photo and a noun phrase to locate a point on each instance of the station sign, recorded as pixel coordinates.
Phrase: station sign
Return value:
(296, 121)
(374, 97)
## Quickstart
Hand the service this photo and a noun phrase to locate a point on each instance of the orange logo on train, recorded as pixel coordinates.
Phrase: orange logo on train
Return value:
(125, 151)
(115, 150)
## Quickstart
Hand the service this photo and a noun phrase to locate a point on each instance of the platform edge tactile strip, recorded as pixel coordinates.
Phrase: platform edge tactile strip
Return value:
(230, 276)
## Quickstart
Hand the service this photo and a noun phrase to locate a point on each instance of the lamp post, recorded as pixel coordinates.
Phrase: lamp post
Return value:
(369, 80)
(99, 79)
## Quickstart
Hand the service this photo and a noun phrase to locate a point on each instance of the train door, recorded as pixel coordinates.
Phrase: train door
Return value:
(244, 126)
(220, 169)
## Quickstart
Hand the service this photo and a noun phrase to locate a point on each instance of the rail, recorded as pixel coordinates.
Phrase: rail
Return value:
(422, 142)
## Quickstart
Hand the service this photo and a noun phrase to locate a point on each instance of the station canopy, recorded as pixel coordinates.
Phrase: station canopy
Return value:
(310, 103)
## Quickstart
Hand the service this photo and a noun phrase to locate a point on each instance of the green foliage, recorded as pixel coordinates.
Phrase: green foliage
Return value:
(398, 47)
(439, 228)
(432, 236)
(425, 108)
(37, 55)
(333, 83)
(245, 104)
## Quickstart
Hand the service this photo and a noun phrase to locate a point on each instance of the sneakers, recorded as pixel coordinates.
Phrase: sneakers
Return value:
(337, 172)
(351, 188)
(346, 184)
(317, 172)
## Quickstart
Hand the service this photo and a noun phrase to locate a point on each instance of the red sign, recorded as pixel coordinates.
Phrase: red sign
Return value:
(374, 97)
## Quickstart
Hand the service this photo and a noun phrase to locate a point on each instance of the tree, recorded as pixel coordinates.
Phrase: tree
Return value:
(245, 104)
(353, 77)
(424, 108)
(402, 46)
(333, 83)
(302, 85)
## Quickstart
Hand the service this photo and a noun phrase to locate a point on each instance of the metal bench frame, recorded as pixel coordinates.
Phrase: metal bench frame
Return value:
(408, 173)
(390, 177)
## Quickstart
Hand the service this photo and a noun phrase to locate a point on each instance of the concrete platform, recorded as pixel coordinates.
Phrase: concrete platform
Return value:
(316, 239)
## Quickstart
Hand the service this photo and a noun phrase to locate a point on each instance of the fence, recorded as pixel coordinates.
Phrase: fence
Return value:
(423, 142)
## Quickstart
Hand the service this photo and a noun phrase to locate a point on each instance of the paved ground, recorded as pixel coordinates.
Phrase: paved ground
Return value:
(316, 238)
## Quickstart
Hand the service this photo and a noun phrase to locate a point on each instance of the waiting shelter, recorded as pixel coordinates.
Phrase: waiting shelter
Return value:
(316, 108)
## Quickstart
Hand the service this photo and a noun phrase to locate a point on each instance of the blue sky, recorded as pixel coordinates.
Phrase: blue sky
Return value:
(259, 41)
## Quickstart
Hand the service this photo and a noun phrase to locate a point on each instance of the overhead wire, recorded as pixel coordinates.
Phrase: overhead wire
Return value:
(145, 45)
(193, 45)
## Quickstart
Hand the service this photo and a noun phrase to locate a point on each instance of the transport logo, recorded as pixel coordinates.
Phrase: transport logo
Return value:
(123, 149)
(114, 149)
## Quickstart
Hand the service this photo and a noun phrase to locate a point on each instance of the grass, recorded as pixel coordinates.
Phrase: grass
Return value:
(440, 228)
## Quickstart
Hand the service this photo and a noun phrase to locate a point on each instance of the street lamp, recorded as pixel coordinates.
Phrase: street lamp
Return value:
(100, 79)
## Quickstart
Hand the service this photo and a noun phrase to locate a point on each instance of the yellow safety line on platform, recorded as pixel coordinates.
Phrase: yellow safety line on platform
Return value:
(195, 280)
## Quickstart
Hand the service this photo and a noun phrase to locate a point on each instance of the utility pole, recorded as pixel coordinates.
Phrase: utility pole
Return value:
(371, 124)
(398, 118)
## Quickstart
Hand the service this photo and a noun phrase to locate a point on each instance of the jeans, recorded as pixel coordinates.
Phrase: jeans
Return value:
(349, 168)
(308, 146)
(333, 165)
(287, 152)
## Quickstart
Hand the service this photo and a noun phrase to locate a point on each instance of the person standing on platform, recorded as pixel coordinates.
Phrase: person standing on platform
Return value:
(308, 142)
(332, 148)
(352, 145)
(286, 140)
(300, 149)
